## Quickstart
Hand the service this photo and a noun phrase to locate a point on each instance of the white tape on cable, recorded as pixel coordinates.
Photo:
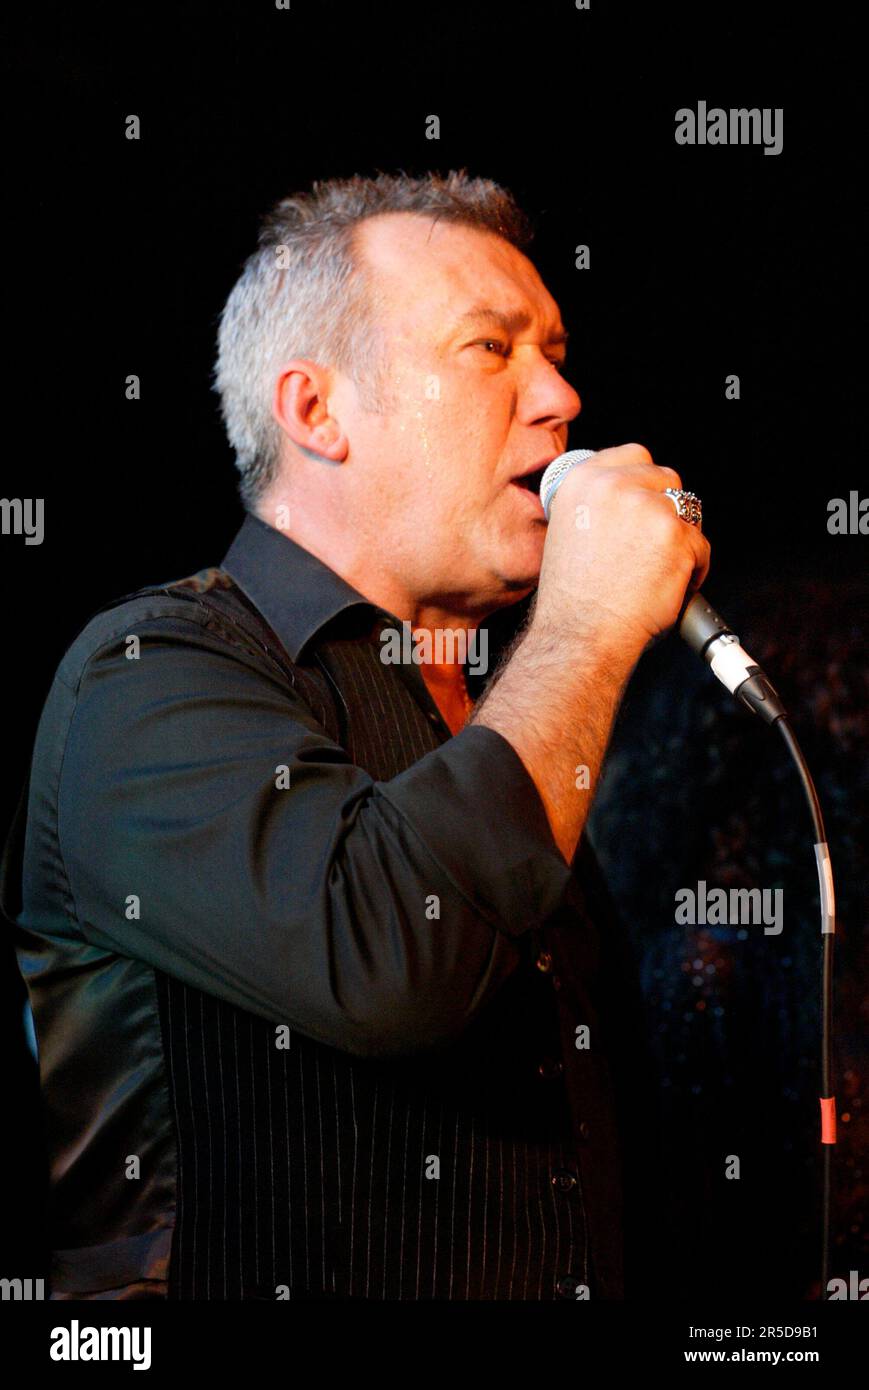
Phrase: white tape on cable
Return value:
(825, 879)
(731, 663)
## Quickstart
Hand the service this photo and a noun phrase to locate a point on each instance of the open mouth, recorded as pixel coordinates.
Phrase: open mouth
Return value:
(531, 481)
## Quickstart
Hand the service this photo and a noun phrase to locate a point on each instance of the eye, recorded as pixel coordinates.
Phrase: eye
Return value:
(500, 348)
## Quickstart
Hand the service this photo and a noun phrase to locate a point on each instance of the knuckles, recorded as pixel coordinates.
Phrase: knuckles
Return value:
(633, 453)
(670, 477)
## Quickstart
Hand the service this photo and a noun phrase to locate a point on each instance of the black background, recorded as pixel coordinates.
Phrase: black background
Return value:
(705, 261)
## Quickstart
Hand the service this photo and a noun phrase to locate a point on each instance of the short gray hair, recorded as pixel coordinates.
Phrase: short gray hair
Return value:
(305, 292)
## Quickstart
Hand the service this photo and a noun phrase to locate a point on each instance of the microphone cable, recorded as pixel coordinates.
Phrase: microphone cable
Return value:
(707, 633)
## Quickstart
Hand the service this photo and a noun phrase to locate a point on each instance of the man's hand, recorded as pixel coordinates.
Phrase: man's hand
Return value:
(621, 575)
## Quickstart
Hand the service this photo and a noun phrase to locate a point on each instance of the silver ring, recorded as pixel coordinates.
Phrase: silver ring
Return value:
(688, 505)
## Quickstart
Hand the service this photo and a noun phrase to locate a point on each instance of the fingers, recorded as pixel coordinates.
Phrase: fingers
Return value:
(702, 553)
(691, 538)
(637, 561)
(636, 461)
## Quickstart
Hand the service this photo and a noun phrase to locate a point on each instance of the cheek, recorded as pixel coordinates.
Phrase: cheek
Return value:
(466, 433)
(445, 437)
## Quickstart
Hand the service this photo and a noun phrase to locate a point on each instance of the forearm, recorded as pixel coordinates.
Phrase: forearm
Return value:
(555, 700)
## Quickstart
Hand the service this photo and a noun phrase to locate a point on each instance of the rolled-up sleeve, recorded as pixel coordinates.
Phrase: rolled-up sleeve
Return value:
(209, 826)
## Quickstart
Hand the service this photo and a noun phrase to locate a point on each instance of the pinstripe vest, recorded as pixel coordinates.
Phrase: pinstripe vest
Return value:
(310, 1173)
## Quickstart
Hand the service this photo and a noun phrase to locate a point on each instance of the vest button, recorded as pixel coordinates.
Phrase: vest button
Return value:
(584, 1129)
(563, 1180)
(567, 1285)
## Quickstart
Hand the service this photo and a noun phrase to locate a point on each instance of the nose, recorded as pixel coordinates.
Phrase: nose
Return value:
(546, 397)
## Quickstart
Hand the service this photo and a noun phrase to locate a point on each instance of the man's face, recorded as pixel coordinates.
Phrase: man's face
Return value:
(475, 343)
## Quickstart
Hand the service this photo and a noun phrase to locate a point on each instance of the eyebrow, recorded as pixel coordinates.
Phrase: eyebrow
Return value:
(512, 322)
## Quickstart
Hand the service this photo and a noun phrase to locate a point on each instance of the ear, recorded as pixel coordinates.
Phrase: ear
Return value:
(301, 407)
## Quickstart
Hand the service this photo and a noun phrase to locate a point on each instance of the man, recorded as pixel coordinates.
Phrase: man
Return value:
(331, 1001)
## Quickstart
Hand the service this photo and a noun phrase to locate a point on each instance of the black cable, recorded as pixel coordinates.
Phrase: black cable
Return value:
(828, 937)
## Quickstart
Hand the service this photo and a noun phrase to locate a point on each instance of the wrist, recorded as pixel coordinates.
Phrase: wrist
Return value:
(578, 644)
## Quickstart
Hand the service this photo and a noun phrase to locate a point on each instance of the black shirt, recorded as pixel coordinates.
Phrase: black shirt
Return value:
(308, 973)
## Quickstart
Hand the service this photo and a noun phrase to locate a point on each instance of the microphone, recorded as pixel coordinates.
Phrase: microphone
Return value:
(699, 625)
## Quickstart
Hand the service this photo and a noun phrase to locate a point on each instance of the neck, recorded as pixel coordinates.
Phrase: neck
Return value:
(443, 629)
(447, 687)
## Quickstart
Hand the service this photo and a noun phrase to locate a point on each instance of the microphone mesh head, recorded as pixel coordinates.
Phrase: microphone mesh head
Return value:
(557, 472)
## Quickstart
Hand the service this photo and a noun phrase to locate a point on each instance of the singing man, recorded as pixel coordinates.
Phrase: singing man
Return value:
(330, 997)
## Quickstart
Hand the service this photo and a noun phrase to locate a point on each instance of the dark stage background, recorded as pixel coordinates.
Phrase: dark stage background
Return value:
(704, 262)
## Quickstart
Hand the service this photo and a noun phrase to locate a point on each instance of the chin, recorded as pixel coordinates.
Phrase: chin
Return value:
(518, 579)
(526, 556)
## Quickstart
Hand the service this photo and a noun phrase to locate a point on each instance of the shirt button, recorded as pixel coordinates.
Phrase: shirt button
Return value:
(544, 961)
(563, 1180)
(584, 1129)
(550, 1068)
(567, 1286)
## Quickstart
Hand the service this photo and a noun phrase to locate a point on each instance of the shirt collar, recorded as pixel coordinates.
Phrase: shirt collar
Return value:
(296, 592)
